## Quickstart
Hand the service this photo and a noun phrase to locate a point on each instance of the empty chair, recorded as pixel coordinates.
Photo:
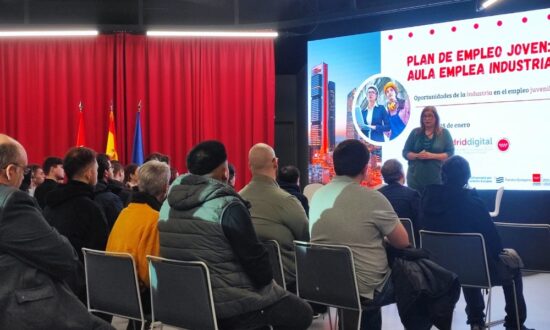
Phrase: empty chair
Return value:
(274, 250)
(112, 285)
(466, 256)
(325, 274)
(531, 241)
(310, 190)
(407, 223)
(181, 294)
(498, 199)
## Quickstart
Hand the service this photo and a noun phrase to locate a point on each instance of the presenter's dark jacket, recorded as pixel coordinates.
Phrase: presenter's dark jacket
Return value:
(459, 210)
(34, 261)
(380, 119)
(405, 202)
(422, 172)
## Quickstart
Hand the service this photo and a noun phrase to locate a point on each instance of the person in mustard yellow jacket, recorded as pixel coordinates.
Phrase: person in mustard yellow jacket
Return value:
(135, 230)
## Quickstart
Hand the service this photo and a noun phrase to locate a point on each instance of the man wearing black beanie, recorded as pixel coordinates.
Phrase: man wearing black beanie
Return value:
(204, 219)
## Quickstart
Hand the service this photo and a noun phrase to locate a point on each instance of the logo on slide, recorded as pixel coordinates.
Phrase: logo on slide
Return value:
(499, 179)
(536, 177)
(503, 144)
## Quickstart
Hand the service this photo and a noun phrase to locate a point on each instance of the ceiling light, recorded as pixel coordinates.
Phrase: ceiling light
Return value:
(484, 4)
(67, 33)
(214, 34)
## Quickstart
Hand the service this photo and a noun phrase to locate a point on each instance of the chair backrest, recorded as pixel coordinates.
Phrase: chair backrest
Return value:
(310, 189)
(111, 284)
(274, 251)
(462, 253)
(181, 294)
(407, 223)
(325, 274)
(531, 241)
(498, 199)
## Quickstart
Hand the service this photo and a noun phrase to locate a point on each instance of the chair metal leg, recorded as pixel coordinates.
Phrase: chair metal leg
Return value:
(330, 317)
(516, 303)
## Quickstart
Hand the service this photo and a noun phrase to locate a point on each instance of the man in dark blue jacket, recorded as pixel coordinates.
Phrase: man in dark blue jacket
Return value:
(451, 207)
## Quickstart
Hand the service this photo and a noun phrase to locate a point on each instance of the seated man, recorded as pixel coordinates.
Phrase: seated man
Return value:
(53, 169)
(289, 180)
(276, 214)
(204, 219)
(343, 212)
(135, 230)
(404, 200)
(35, 259)
(452, 208)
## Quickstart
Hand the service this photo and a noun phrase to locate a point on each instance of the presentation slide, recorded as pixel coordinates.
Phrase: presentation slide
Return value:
(489, 79)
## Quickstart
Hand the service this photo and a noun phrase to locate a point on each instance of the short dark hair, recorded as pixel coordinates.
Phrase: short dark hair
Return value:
(288, 174)
(158, 156)
(350, 157)
(77, 160)
(51, 162)
(392, 171)
(117, 166)
(129, 169)
(102, 165)
(34, 168)
(206, 157)
(9, 154)
(455, 171)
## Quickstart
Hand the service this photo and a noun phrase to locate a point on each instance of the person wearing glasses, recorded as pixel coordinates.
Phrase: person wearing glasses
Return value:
(35, 260)
(373, 119)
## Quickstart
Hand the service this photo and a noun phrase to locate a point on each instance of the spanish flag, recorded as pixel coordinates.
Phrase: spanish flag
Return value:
(111, 141)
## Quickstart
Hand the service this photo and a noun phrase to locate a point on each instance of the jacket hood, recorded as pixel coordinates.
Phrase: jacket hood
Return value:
(195, 190)
(438, 199)
(73, 189)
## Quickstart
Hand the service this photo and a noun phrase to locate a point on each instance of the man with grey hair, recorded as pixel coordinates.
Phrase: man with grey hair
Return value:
(135, 230)
(276, 214)
(404, 200)
(35, 259)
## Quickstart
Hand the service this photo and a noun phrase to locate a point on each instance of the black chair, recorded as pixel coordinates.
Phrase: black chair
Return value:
(274, 251)
(531, 242)
(181, 294)
(325, 274)
(407, 223)
(112, 284)
(465, 255)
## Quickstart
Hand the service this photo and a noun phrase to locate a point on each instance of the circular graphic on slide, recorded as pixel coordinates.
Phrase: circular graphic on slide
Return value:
(381, 109)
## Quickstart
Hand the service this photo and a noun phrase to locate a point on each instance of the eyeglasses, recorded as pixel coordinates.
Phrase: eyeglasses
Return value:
(26, 170)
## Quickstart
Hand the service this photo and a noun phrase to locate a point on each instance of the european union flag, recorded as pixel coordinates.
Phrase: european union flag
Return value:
(137, 152)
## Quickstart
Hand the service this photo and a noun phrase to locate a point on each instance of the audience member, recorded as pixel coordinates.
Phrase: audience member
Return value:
(131, 175)
(232, 175)
(53, 167)
(26, 183)
(205, 219)
(35, 259)
(110, 202)
(135, 230)
(276, 214)
(158, 156)
(116, 183)
(451, 207)
(404, 200)
(289, 180)
(118, 171)
(37, 177)
(344, 212)
(71, 209)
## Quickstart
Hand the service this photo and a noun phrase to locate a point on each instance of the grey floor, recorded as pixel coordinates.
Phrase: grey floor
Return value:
(537, 296)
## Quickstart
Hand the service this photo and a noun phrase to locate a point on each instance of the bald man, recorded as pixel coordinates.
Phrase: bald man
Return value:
(34, 258)
(276, 214)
